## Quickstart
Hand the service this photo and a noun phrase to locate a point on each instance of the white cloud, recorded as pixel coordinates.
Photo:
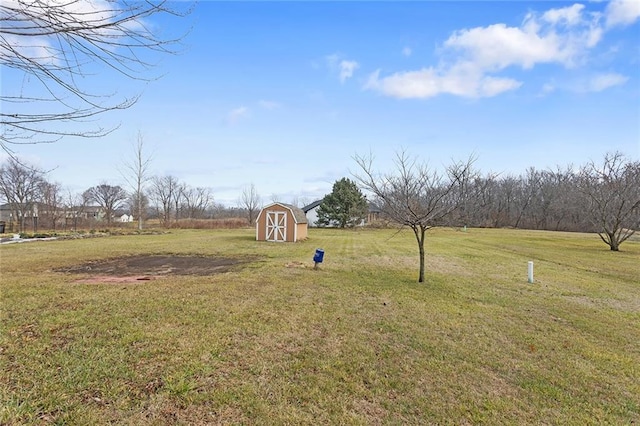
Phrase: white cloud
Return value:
(601, 82)
(40, 45)
(35, 49)
(343, 67)
(492, 86)
(406, 51)
(346, 69)
(498, 46)
(429, 82)
(37, 44)
(558, 36)
(569, 16)
(622, 12)
(562, 36)
(236, 115)
(585, 83)
(90, 11)
(404, 85)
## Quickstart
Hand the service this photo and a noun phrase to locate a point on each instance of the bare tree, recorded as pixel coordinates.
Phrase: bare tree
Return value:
(51, 196)
(108, 197)
(556, 199)
(220, 211)
(136, 173)
(75, 205)
(56, 48)
(163, 191)
(414, 195)
(613, 193)
(20, 185)
(138, 205)
(178, 195)
(506, 202)
(478, 207)
(250, 200)
(301, 201)
(527, 192)
(196, 201)
(275, 198)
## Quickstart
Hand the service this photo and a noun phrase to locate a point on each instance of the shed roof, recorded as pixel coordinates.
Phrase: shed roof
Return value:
(297, 212)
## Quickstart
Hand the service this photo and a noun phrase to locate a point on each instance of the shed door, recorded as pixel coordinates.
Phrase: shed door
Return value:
(276, 226)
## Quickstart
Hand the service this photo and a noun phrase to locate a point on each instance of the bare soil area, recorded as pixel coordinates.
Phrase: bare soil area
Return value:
(149, 267)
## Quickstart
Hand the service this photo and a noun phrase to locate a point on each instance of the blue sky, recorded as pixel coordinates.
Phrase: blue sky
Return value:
(283, 95)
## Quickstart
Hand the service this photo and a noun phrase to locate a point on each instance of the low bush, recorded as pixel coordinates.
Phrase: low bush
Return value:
(228, 223)
(38, 234)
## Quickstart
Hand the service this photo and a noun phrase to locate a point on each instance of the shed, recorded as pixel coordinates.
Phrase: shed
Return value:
(281, 222)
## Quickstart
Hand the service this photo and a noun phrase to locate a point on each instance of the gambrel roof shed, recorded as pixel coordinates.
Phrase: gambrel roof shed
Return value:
(281, 222)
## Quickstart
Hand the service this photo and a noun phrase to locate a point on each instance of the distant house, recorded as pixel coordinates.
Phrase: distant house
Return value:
(85, 212)
(26, 214)
(12, 211)
(311, 211)
(6, 212)
(75, 216)
(281, 222)
(126, 218)
(374, 214)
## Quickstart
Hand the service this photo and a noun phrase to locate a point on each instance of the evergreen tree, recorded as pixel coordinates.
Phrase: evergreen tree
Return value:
(344, 207)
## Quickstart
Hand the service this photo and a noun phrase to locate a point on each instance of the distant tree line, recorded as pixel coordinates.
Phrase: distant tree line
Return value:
(596, 197)
(29, 201)
(602, 197)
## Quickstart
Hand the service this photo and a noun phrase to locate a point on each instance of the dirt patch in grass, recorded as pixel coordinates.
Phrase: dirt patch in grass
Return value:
(148, 267)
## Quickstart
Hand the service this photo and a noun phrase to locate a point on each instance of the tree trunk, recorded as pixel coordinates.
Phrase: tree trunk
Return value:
(610, 240)
(614, 244)
(419, 233)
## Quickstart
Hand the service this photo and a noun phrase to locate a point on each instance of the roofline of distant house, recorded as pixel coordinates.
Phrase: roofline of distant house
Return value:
(312, 205)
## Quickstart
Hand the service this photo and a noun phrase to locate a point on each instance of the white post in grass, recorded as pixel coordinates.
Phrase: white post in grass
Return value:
(530, 272)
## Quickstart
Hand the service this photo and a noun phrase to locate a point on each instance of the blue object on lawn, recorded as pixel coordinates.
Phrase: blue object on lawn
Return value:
(318, 256)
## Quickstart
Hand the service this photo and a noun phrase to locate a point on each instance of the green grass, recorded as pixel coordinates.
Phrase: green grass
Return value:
(357, 342)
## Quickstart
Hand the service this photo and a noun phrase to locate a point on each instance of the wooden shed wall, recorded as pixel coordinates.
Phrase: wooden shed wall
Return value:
(302, 231)
(290, 235)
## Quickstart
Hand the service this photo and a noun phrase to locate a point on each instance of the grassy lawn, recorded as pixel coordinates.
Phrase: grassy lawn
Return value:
(358, 341)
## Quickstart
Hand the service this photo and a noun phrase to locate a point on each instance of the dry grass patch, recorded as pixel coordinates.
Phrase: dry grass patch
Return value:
(356, 342)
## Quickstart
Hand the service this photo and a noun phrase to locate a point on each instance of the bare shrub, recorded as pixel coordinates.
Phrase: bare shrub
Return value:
(227, 223)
